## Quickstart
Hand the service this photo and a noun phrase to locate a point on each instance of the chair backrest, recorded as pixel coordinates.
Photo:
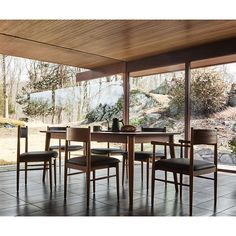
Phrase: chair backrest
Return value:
(204, 137)
(79, 135)
(56, 127)
(154, 129)
(22, 132)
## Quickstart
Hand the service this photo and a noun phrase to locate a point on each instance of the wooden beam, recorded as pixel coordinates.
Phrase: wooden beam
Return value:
(194, 65)
(102, 71)
(187, 107)
(126, 88)
(210, 50)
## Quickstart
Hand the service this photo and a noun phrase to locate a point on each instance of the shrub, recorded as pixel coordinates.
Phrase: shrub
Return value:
(232, 145)
(208, 92)
(5, 122)
(104, 112)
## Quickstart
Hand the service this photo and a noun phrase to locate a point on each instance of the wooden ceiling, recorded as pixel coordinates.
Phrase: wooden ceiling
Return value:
(94, 43)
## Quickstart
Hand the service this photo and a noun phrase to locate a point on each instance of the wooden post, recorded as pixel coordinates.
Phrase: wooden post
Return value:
(187, 107)
(126, 97)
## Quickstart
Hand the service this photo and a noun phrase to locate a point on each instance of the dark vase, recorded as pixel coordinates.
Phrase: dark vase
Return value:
(115, 125)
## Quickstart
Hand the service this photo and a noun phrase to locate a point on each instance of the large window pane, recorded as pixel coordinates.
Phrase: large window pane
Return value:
(213, 96)
(158, 101)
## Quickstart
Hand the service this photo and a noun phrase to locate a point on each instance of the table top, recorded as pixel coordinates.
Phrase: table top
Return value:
(118, 133)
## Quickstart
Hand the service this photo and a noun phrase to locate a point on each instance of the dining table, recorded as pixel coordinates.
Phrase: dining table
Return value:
(128, 138)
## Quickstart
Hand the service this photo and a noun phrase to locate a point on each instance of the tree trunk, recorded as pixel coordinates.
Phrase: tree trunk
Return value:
(5, 95)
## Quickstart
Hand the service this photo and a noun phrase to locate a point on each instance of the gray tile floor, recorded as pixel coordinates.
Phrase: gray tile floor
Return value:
(35, 199)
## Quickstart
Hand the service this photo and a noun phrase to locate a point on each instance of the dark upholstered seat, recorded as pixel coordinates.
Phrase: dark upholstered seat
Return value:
(106, 151)
(71, 148)
(95, 161)
(143, 155)
(37, 156)
(182, 164)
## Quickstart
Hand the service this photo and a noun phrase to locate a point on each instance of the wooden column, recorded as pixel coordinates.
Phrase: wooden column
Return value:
(187, 107)
(126, 98)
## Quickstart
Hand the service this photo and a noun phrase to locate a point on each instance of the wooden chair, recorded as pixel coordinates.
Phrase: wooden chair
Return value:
(145, 156)
(108, 151)
(60, 147)
(39, 159)
(87, 163)
(189, 166)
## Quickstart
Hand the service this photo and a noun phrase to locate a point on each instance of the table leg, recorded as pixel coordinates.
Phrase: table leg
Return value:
(172, 155)
(131, 142)
(47, 141)
(47, 145)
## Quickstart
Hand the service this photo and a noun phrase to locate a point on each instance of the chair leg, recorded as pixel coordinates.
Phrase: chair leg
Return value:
(88, 187)
(165, 178)
(153, 185)
(17, 176)
(108, 175)
(147, 174)
(127, 172)
(94, 177)
(55, 172)
(117, 183)
(215, 189)
(65, 181)
(50, 174)
(26, 167)
(123, 171)
(181, 185)
(142, 171)
(190, 195)
(44, 171)
(59, 157)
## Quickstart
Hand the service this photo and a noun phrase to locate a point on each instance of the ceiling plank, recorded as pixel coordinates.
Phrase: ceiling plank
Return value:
(20, 47)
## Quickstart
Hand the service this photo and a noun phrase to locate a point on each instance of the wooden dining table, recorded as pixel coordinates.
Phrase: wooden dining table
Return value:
(128, 138)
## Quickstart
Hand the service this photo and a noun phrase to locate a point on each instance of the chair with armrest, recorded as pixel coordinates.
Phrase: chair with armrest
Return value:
(186, 165)
(39, 159)
(87, 163)
(145, 156)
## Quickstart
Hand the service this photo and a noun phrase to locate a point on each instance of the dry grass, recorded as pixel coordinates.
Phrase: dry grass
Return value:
(5, 121)
(228, 113)
(8, 141)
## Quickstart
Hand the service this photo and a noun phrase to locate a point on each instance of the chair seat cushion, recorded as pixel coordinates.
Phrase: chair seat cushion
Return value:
(143, 155)
(106, 151)
(95, 161)
(71, 148)
(182, 164)
(54, 147)
(38, 156)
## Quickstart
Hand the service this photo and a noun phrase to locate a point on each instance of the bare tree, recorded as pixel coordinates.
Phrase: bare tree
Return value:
(5, 92)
